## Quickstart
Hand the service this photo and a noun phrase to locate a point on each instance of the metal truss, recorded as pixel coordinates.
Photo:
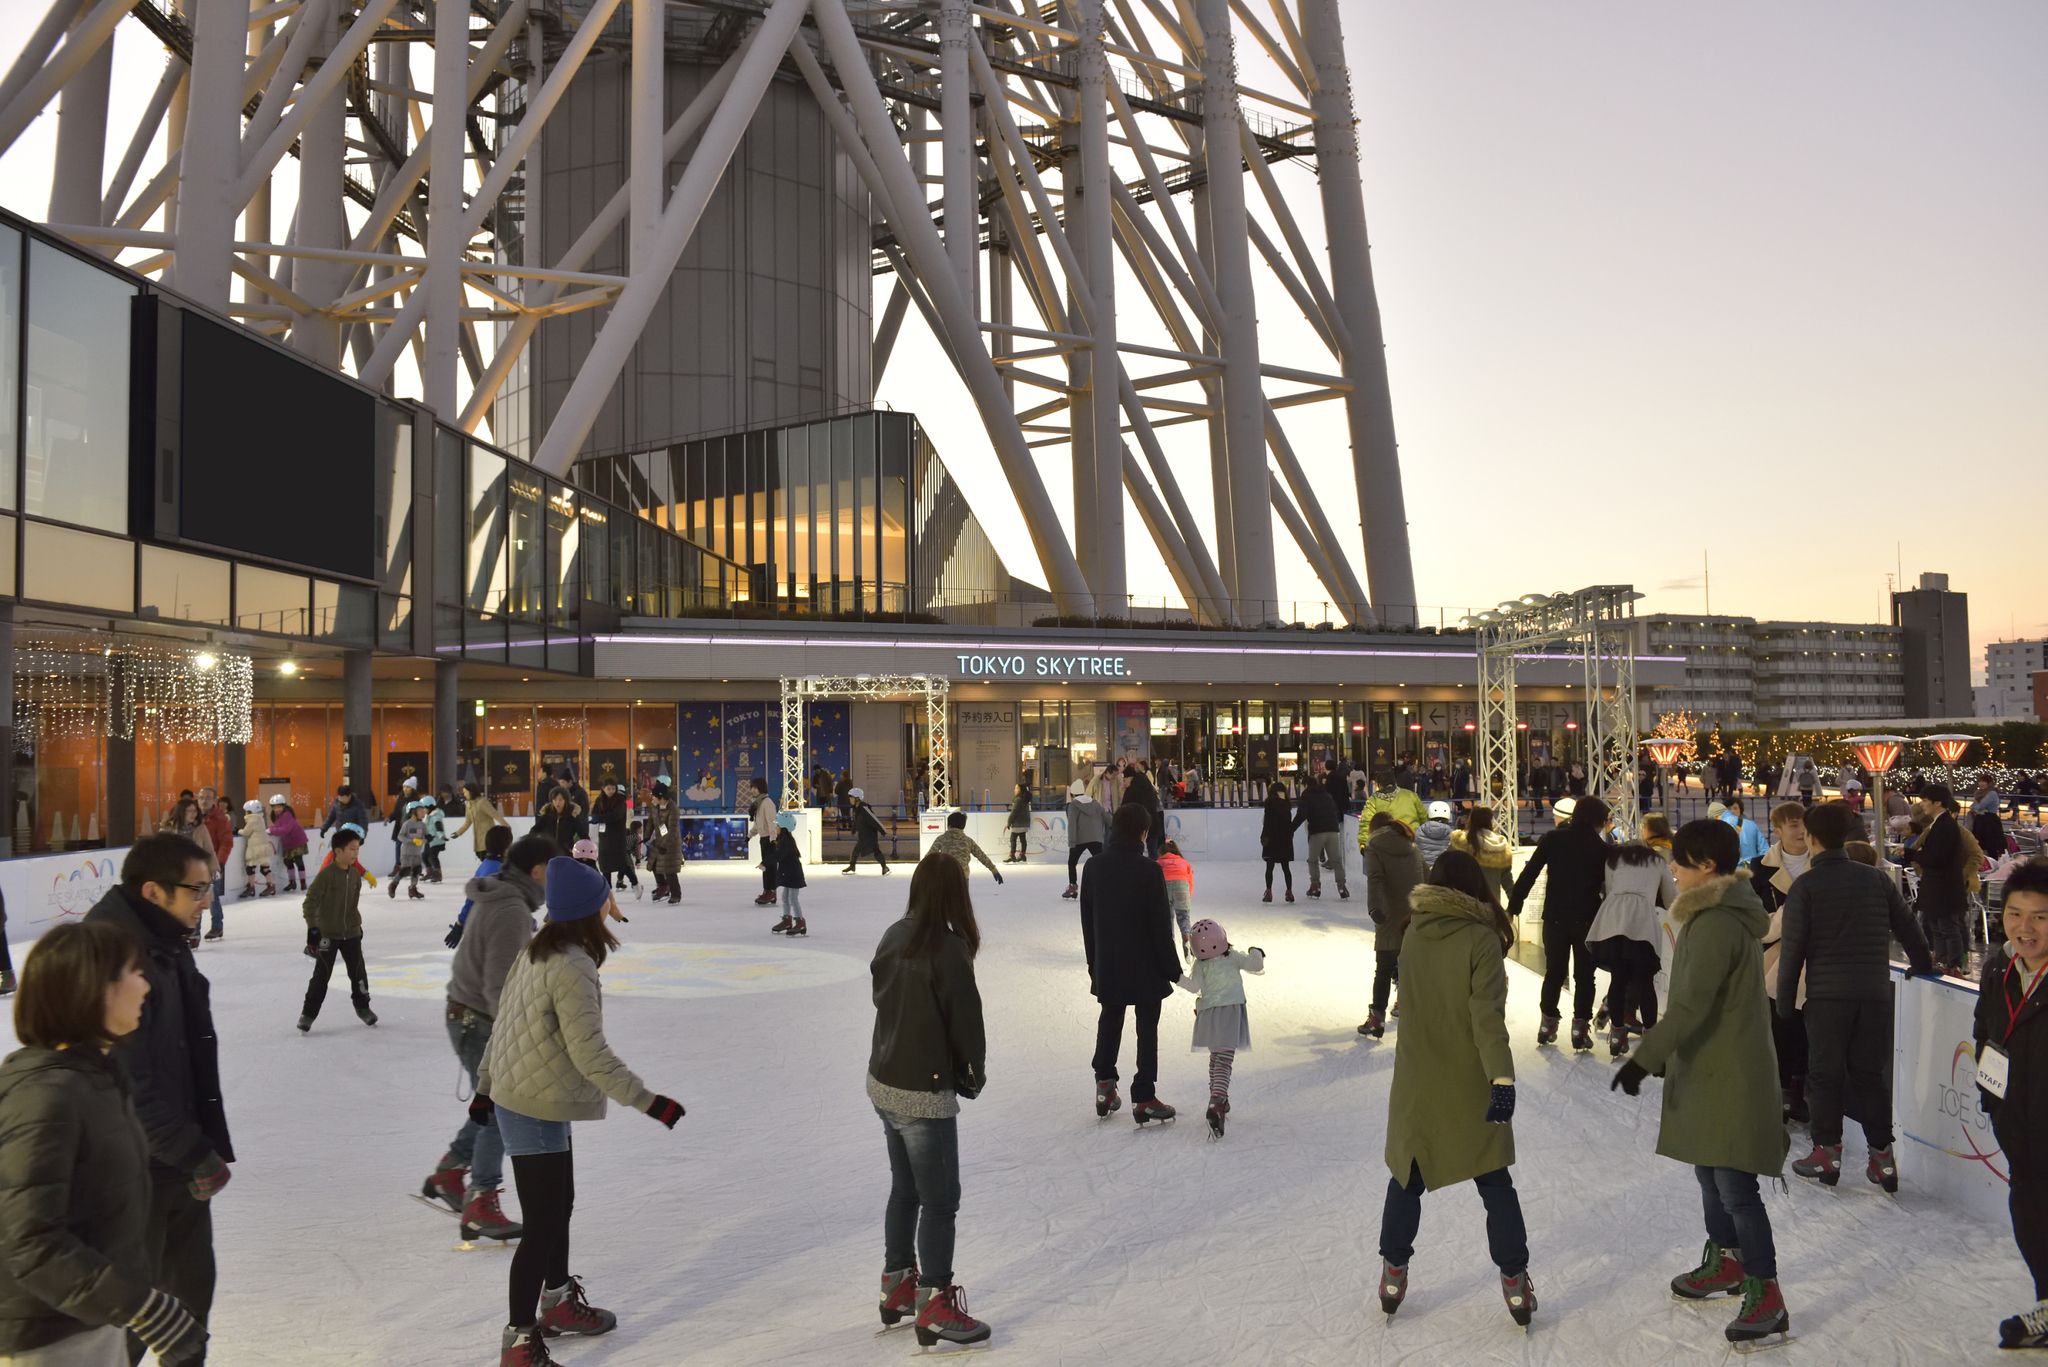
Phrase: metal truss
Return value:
(1595, 623)
(933, 688)
(1081, 145)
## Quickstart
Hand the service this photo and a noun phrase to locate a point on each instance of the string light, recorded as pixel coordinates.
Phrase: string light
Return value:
(166, 692)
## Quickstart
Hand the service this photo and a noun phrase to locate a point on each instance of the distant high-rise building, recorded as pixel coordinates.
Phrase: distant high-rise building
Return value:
(2009, 669)
(1743, 673)
(1934, 621)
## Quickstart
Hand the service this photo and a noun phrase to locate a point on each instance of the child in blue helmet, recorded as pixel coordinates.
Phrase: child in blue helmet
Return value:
(789, 876)
(412, 851)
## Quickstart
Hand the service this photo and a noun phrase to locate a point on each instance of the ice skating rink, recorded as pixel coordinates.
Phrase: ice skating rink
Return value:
(752, 1234)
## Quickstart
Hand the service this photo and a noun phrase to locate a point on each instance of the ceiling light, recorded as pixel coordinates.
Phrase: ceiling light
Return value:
(288, 668)
(205, 660)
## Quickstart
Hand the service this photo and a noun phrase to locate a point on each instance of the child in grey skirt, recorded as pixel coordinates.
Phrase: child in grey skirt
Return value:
(1217, 979)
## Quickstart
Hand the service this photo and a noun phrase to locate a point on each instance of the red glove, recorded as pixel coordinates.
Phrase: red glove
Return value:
(208, 1178)
(666, 1109)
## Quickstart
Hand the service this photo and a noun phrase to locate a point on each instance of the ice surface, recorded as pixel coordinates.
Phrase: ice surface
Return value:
(753, 1232)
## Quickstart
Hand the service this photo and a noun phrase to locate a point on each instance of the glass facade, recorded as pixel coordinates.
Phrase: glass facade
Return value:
(76, 403)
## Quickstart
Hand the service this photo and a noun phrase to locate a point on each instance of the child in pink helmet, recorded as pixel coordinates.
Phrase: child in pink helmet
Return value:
(1217, 979)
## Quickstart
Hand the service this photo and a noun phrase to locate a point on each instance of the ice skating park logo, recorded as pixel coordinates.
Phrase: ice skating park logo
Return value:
(1964, 1112)
(76, 891)
(669, 971)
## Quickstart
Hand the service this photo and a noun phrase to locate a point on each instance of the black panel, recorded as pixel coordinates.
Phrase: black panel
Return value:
(275, 455)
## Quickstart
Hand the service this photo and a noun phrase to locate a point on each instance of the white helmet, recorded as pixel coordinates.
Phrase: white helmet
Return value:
(252, 805)
(278, 800)
(1439, 810)
(1564, 807)
(856, 793)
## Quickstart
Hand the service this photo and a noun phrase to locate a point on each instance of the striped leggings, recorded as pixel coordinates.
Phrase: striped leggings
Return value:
(1219, 1071)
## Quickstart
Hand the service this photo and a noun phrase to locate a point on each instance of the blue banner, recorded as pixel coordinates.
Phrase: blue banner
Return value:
(699, 762)
(745, 750)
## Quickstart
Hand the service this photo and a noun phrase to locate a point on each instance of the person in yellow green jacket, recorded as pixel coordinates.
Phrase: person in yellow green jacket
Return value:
(1398, 802)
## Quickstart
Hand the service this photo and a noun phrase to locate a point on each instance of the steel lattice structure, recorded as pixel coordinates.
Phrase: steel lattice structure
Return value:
(933, 688)
(1110, 200)
(1595, 624)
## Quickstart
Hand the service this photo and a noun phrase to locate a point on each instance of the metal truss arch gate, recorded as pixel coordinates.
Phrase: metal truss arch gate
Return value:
(933, 688)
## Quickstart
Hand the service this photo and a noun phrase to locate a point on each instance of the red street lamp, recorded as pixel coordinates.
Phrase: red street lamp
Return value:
(1878, 754)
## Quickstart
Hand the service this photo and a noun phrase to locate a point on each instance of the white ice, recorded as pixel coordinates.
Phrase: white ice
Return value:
(752, 1234)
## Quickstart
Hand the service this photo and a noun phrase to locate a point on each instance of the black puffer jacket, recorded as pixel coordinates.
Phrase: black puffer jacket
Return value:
(1319, 810)
(1127, 927)
(1839, 922)
(611, 809)
(1276, 832)
(2021, 1120)
(928, 1031)
(74, 1197)
(173, 1058)
(1942, 876)
(1577, 862)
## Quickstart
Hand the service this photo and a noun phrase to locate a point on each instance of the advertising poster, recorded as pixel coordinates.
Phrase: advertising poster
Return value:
(715, 837)
(1950, 1151)
(1133, 731)
(652, 764)
(700, 785)
(985, 753)
(745, 749)
(400, 765)
(512, 772)
(608, 766)
(829, 732)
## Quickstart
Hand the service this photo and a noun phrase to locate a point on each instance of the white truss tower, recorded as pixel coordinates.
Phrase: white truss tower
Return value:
(1115, 185)
(1595, 624)
(933, 688)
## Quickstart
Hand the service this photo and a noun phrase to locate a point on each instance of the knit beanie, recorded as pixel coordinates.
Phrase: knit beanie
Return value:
(574, 891)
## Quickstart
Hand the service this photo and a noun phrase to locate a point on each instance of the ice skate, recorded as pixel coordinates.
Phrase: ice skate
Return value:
(563, 1310)
(1600, 1017)
(1268, 896)
(1145, 1112)
(366, 1015)
(6, 982)
(798, 929)
(1375, 1025)
(415, 894)
(1393, 1286)
(1795, 1102)
(524, 1348)
(1883, 1170)
(484, 1218)
(1582, 1034)
(1617, 1040)
(1106, 1099)
(942, 1315)
(2028, 1329)
(1546, 1033)
(1719, 1274)
(1343, 893)
(1762, 1314)
(1824, 1164)
(1313, 892)
(1290, 895)
(248, 891)
(1520, 1294)
(782, 927)
(1074, 890)
(766, 899)
(444, 1188)
(305, 1024)
(215, 933)
(899, 1295)
(394, 888)
(1219, 1106)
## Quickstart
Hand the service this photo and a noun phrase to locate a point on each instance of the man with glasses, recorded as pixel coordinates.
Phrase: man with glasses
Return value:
(173, 1063)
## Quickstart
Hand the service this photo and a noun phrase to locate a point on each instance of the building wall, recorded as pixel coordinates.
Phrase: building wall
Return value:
(1935, 622)
(2009, 669)
(1742, 672)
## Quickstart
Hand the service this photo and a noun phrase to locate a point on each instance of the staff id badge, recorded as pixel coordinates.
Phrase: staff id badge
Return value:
(1991, 1070)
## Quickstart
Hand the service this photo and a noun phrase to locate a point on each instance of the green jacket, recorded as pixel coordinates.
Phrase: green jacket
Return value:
(1399, 803)
(1452, 1043)
(1393, 869)
(331, 903)
(1722, 1106)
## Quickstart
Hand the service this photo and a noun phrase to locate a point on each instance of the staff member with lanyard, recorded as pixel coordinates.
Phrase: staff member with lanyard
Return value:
(2012, 1080)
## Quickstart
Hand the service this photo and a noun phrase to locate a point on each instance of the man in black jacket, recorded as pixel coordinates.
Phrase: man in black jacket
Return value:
(346, 810)
(1575, 856)
(173, 1063)
(1139, 789)
(1838, 927)
(1127, 932)
(1325, 821)
(2012, 1047)
(1944, 896)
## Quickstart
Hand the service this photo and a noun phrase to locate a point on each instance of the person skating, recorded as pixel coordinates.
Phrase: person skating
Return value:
(1625, 934)
(345, 810)
(1772, 878)
(218, 836)
(788, 861)
(1087, 828)
(437, 836)
(1840, 920)
(929, 1050)
(6, 954)
(761, 811)
(497, 844)
(1478, 838)
(290, 838)
(1433, 836)
(614, 847)
(257, 851)
(402, 811)
(585, 853)
(559, 820)
(1322, 811)
(1451, 1107)
(1216, 977)
(1393, 869)
(1395, 800)
(1575, 856)
(546, 1066)
(2012, 1080)
(480, 816)
(1713, 1049)
(499, 926)
(172, 1063)
(1276, 840)
(1180, 890)
(1127, 935)
(334, 925)
(1139, 788)
(75, 1196)
(665, 843)
(867, 833)
(955, 843)
(1019, 825)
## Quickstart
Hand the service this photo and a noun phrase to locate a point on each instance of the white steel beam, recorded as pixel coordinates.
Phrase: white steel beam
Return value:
(648, 78)
(81, 44)
(207, 203)
(447, 233)
(82, 140)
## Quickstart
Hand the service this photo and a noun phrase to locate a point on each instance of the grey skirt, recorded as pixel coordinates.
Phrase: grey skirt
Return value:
(1222, 1027)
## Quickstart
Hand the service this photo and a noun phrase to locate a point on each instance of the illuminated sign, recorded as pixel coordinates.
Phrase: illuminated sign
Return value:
(1042, 666)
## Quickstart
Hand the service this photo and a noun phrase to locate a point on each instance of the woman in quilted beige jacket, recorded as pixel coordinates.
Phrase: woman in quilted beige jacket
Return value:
(548, 1065)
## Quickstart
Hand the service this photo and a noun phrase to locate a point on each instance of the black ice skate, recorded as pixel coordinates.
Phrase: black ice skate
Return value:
(1617, 1040)
(799, 928)
(2029, 1329)
(1520, 1294)
(305, 1024)
(1393, 1286)
(1546, 1033)
(1145, 1112)
(1375, 1025)
(366, 1015)
(1582, 1034)
(1219, 1106)
(1106, 1099)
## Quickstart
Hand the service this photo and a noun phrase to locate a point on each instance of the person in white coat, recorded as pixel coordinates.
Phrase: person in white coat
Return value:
(1627, 936)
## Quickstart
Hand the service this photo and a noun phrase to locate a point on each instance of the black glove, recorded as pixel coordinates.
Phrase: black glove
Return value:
(312, 950)
(454, 936)
(1501, 1108)
(481, 1110)
(970, 1085)
(168, 1329)
(666, 1109)
(1629, 1078)
(999, 877)
(208, 1178)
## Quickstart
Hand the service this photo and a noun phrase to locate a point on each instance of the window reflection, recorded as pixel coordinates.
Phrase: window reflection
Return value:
(77, 401)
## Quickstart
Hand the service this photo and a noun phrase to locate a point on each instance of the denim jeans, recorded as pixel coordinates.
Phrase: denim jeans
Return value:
(924, 1196)
(525, 1136)
(1507, 1239)
(220, 884)
(482, 1147)
(1736, 1218)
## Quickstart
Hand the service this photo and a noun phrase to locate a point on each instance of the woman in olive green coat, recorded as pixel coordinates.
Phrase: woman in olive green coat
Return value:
(1454, 1078)
(1721, 1100)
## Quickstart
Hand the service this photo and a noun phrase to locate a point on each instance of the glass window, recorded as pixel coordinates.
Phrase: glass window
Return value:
(563, 541)
(842, 506)
(524, 593)
(798, 477)
(62, 566)
(345, 614)
(270, 600)
(625, 593)
(7, 526)
(654, 583)
(10, 365)
(866, 561)
(77, 468)
(484, 587)
(594, 551)
(394, 466)
(187, 588)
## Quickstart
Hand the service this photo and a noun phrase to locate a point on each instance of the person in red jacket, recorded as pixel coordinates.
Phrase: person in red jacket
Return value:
(221, 832)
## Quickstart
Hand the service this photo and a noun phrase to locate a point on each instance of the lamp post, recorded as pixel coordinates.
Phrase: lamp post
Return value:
(1665, 751)
(1949, 748)
(1878, 754)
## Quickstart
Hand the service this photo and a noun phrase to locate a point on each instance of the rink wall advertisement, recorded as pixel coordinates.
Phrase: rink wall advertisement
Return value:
(1948, 1141)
